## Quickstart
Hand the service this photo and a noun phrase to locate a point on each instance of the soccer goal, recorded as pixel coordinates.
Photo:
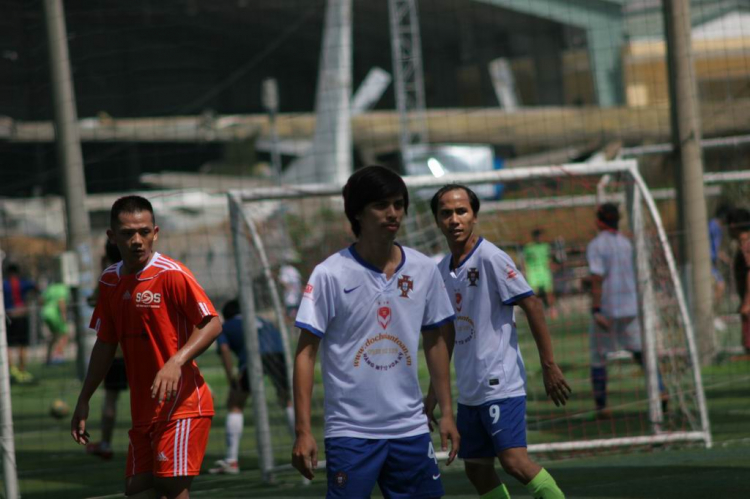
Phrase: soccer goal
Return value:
(659, 401)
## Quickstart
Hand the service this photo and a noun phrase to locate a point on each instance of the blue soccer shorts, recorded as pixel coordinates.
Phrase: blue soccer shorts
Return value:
(403, 467)
(490, 428)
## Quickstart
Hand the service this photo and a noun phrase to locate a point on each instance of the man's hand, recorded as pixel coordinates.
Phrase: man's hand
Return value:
(78, 423)
(448, 431)
(305, 455)
(430, 402)
(166, 382)
(555, 385)
(601, 320)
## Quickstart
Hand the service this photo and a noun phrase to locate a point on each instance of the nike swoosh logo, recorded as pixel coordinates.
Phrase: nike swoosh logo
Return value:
(347, 291)
(496, 432)
(435, 477)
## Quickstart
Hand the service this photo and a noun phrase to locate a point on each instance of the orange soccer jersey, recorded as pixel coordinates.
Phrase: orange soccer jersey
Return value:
(152, 314)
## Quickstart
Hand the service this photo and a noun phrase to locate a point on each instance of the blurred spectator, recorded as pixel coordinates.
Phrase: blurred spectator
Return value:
(55, 299)
(717, 254)
(116, 380)
(16, 290)
(738, 223)
(232, 342)
(291, 283)
(537, 259)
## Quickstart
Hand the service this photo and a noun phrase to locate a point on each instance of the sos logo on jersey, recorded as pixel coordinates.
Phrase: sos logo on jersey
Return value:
(147, 299)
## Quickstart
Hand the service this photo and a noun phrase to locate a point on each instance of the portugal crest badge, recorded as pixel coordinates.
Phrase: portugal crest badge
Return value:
(473, 276)
(405, 284)
(340, 479)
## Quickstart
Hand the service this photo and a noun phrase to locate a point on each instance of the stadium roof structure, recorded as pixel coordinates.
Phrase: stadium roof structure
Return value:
(644, 20)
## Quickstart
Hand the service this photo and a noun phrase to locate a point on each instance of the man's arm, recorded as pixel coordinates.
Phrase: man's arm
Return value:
(745, 305)
(226, 360)
(63, 307)
(596, 301)
(305, 451)
(167, 380)
(101, 358)
(554, 381)
(437, 354)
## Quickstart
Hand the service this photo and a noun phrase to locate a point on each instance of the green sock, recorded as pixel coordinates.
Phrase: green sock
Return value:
(543, 486)
(500, 492)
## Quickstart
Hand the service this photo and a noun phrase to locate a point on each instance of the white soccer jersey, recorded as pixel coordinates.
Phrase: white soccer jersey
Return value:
(370, 331)
(483, 288)
(610, 255)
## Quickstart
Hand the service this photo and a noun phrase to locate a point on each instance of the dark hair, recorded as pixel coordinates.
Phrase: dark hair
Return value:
(12, 268)
(230, 309)
(112, 252)
(129, 204)
(368, 185)
(738, 220)
(722, 211)
(473, 199)
(609, 215)
(536, 233)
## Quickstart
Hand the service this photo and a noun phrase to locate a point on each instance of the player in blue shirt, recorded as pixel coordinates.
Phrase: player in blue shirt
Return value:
(364, 308)
(232, 342)
(485, 285)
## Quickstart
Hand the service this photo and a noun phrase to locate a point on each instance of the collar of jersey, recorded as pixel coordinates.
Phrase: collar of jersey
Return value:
(112, 276)
(368, 266)
(466, 258)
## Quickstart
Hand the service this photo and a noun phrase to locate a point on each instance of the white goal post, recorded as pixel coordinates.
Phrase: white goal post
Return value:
(674, 349)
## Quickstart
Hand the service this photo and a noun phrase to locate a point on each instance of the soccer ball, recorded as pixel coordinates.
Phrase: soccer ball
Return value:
(59, 409)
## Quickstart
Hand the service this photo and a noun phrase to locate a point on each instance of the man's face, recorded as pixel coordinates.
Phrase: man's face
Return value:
(134, 236)
(743, 238)
(382, 217)
(455, 217)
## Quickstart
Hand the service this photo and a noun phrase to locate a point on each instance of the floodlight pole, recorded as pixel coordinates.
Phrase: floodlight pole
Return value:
(686, 136)
(270, 98)
(70, 159)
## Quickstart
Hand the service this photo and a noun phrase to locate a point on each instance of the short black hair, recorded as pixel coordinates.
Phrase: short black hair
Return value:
(536, 233)
(230, 309)
(12, 268)
(609, 215)
(130, 204)
(722, 211)
(738, 220)
(473, 199)
(368, 185)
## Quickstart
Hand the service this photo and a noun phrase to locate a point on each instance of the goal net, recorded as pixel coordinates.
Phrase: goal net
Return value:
(655, 396)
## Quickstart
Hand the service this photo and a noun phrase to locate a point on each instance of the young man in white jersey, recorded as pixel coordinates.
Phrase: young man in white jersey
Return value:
(484, 285)
(614, 304)
(364, 308)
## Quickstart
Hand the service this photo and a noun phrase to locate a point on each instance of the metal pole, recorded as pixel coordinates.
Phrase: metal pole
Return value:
(10, 472)
(270, 98)
(70, 159)
(646, 304)
(274, 291)
(249, 326)
(686, 135)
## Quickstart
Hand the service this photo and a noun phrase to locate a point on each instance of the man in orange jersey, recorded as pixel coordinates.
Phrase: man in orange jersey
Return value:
(160, 316)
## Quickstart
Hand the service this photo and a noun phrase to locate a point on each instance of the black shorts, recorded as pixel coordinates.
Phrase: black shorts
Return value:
(273, 366)
(18, 331)
(117, 378)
